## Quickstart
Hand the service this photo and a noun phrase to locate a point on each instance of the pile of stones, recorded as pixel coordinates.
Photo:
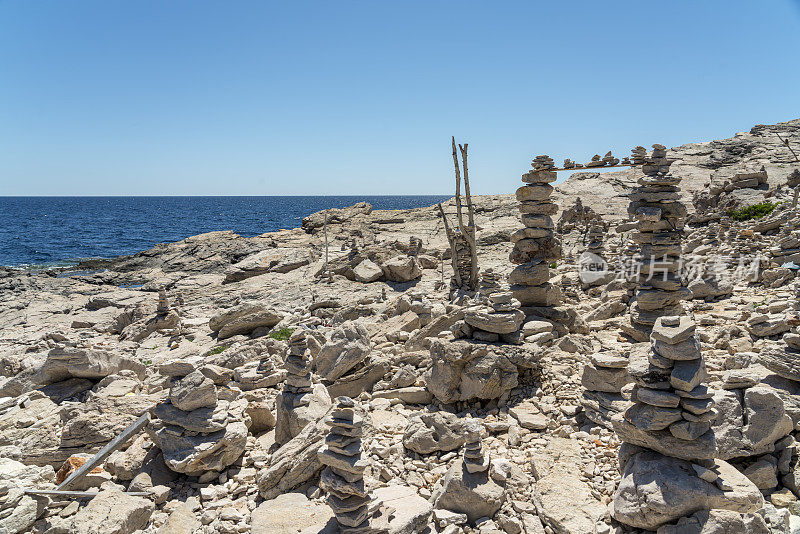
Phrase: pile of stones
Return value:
(163, 303)
(660, 218)
(594, 270)
(475, 458)
(535, 245)
(500, 318)
(748, 179)
(668, 394)
(300, 402)
(604, 377)
(671, 418)
(343, 476)
(200, 429)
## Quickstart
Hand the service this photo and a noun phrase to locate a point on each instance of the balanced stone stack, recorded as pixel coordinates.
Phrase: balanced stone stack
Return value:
(199, 429)
(299, 402)
(676, 472)
(163, 303)
(342, 477)
(672, 409)
(535, 245)
(660, 216)
(500, 318)
(490, 282)
(604, 377)
(593, 267)
(475, 458)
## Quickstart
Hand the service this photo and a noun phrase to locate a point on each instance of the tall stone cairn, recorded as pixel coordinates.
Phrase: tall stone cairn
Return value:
(342, 477)
(535, 245)
(660, 215)
(298, 368)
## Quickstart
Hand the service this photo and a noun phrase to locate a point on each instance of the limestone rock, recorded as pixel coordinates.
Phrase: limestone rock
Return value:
(367, 271)
(347, 346)
(294, 412)
(192, 392)
(402, 269)
(718, 522)
(243, 319)
(196, 454)
(497, 322)
(289, 512)
(462, 370)
(436, 431)
(473, 494)
(63, 363)
(112, 512)
(657, 489)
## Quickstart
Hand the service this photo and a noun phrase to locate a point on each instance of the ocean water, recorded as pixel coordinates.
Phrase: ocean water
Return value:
(59, 231)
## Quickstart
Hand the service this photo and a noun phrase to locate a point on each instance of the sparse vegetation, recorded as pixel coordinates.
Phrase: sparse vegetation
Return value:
(283, 334)
(756, 211)
(218, 350)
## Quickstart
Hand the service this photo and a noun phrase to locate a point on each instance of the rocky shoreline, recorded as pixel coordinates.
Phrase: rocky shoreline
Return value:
(286, 395)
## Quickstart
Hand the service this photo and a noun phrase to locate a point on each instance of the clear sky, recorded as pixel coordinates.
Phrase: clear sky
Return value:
(195, 97)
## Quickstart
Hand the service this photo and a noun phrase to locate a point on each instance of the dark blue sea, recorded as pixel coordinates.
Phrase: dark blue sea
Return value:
(59, 231)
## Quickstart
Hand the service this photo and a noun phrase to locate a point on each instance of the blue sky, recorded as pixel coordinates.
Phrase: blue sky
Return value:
(199, 97)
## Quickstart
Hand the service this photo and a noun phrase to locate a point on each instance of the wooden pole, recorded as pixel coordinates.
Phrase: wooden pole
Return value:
(452, 241)
(325, 232)
(458, 187)
(470, 233)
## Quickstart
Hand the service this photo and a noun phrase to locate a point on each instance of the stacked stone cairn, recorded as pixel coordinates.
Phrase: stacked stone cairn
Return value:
(163, 303)
(475, 458)
(594, 271)
(535, 245)
(604, 377)
(342, 477)
(660, 216)
(200, 429)
(495, 316)
(670, 417)
(299, 402)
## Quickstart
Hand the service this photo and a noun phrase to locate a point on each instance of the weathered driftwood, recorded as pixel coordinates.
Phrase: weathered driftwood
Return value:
(105, 452)
(462, 242)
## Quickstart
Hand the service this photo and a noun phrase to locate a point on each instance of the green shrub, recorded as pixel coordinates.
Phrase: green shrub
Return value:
(756, 211)
(218, 350)
(283, 334)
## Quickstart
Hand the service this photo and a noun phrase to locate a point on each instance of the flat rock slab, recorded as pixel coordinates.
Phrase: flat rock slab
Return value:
(289, 513)
(411, 512)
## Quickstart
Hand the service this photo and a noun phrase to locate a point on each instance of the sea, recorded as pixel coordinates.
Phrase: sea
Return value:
(48, 232)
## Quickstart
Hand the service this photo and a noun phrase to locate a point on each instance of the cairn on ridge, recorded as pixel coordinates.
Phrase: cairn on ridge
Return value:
(535, 245)
(163, 302)
(342, 477)
(497, 315)
(660, 216)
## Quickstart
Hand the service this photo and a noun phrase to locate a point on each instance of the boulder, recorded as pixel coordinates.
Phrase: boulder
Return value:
(749, 421)
(718, 522)
(112, 512)
(782, 361)
(277, 260)
(289, 513)
(462, 370)
(367, 271)
(294, 412)
(411, 512)
(193, 391)
(347, 346)
(180, 521)
(194, 454)
(657, 489)
(402, 269)
(497, 322)
(63, 363)
(243, 319)
(710, 288)
(431, 432)
(473, 494)
(294, 463)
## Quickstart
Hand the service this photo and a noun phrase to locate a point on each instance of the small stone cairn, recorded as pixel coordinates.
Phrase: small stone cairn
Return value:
(497, 315)
(604, 377)
(535, 245)
(475, 458)
(342, 477)
(298, 403)
(593, 268)
(163, 302)
(655, 206)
